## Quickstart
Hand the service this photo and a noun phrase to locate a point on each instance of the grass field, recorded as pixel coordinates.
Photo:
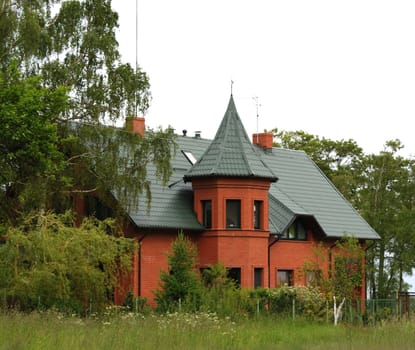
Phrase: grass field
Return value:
(193, 331)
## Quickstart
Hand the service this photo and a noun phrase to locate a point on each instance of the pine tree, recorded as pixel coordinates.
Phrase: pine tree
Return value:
(180, 285)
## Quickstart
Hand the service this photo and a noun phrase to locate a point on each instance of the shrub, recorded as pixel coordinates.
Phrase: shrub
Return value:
(48, 262)
(303, 301)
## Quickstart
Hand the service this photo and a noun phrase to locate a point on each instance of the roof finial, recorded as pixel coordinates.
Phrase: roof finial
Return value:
(231, 87)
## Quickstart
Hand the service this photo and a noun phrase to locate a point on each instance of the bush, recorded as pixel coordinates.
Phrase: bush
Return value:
(303, 301)
(47, 262)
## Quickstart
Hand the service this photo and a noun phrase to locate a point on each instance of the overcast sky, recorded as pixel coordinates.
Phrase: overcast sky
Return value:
(337, 69)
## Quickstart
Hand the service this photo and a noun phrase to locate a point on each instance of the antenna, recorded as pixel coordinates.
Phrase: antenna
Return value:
(231, 87)
(257, 105)
(136, 55)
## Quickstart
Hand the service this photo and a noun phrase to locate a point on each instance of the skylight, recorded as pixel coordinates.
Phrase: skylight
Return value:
(189, 156)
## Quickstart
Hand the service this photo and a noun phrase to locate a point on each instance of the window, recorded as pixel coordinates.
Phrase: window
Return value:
(313, 277)
(233, 213)
(190, 157)
(258, 272)
(95, 207)
(234, 274)
(207, 213)
(295, 231)
(257, 214)
(284, 278)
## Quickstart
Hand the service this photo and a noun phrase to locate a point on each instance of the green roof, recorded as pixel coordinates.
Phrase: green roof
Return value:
(302, 189)
(172, 205)
(231, 153)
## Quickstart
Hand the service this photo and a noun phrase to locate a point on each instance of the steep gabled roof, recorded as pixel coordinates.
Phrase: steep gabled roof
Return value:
(231, 153)
(304, 190)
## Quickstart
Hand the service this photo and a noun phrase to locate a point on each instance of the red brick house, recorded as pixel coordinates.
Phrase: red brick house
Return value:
(252, 207)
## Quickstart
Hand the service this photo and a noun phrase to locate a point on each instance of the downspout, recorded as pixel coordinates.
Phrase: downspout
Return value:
(139, 265)
(276, 239)
(366, 249)
(331, 259)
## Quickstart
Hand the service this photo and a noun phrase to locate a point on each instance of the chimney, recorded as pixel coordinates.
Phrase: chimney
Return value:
(135, 125)
(263, 140)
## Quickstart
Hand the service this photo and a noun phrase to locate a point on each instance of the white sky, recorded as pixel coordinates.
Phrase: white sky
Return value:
(338, 69)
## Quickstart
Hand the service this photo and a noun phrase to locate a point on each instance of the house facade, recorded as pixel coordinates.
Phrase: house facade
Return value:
(256, 209)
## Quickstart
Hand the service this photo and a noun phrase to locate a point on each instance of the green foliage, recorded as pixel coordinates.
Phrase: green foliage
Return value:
(30, 159)
(48, 262)
(195, 331)
(180, 286)
(220, 293)
(136, 304)
(345, 260)
(347, 268)
(117, 160)
(387, 200)
(73, 44)
(382, 188)
(61, 78)
(301, 301)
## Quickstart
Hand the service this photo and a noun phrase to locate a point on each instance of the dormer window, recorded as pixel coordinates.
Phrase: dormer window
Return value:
(295, 232)
(233, 213)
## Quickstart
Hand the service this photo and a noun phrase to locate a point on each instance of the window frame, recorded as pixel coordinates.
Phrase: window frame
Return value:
(189, 156)
(293, 232)
(289, 279)
(234, 274)
(312, 277)
(258, 279)
(207, 213)
(230, 215)
(257, 212)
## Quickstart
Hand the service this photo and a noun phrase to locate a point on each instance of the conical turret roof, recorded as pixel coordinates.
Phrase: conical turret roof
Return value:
(231, 153)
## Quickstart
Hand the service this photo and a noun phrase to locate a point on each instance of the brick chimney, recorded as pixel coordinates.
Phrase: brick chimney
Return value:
(135, 125)
(263, 140)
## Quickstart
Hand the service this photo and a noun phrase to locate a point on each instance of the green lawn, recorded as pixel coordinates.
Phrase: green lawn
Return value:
(199, 331)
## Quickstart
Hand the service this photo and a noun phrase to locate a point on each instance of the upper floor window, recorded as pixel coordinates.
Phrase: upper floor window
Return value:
(233, 213)
(257, 214)
(295, 231)
(207, 213)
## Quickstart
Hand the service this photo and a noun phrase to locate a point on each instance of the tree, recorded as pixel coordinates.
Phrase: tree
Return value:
(73, 44)
(382, 188)
(180, 285)
(30, 159)
(345, 261)
(49, 262)
(65, 55)
(386, 201)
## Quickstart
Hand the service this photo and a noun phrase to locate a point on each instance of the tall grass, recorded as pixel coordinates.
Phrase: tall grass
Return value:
(193, 331)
